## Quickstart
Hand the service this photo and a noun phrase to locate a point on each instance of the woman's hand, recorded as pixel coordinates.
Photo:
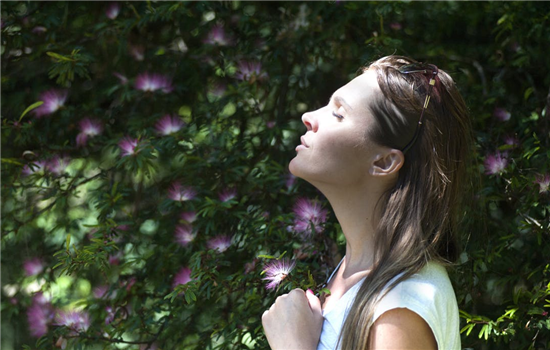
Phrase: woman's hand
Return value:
(294, 321)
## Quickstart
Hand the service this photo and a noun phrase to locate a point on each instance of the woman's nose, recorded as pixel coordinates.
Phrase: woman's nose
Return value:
(310, 121)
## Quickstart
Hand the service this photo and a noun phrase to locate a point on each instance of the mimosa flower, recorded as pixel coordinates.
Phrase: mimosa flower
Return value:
(184, 234)
(57, 165)
(495, 163)
(53, 100)
(227, 194)
(138, 52)
(33, 266)
(100, 291)
(153, 82)
(35, 167)
(88, 128)
(112, 10)
(219, 243)
(123, 80)
(310, 210)
(276, 271)
(511, 140)
(182, 277)
(217, 36)
(250, 71)
(544, 182)
(128, 146)
(39, 315)
(180, 193)
(501, 114)
(188, 216)
(76, 321)
(169, 124)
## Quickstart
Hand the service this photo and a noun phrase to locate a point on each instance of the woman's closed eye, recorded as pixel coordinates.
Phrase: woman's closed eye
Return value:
(337, 115)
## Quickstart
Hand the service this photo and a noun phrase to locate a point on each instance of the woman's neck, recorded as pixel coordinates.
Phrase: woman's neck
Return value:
(355, 211)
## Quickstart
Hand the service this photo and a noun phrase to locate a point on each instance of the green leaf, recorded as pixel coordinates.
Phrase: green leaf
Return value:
(30, 108)
(68, 241)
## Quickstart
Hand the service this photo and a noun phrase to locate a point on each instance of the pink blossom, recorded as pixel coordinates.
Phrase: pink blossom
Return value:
(35, 167)
(276, 271)
(184, 234)
(227, 194)
(217, 89)
(138, 52)
(100, 291)
(511, 140)
(220, 243)
(88, 128)
(169, 124)
(39, 30)
(290, 181)
(33, 266)
(110, 314)
(112, 10)
(310, 210)
(182, 277)
(53, 100)
(544, 182)
(122, 78)
(128, 146)
(76, 321)
(495, 163)
(180, 193)
(501, 114)
(250, 71)
(188, 216)
(270, 124)
(395, 26)
(39, 315)
(58, 165)
(153, 82)
(217, 36)
(250, 266)
(114, 259)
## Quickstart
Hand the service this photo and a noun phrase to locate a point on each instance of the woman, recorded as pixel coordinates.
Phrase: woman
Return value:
(389, 153)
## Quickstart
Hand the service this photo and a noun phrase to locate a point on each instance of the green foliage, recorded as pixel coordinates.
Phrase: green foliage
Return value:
(103, 224)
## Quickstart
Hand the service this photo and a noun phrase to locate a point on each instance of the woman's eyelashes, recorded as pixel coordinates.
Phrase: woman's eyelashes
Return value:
(337, 115)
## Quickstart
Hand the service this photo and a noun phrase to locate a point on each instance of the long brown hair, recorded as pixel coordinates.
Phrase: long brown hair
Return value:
(420, 214)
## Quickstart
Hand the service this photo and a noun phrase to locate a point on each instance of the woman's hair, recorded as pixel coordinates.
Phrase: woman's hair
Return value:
(419, 215)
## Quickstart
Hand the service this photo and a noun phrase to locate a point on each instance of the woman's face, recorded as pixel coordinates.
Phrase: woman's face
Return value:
(335, 148)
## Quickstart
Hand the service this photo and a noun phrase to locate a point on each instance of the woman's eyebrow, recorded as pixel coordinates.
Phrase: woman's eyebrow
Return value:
(340, 100)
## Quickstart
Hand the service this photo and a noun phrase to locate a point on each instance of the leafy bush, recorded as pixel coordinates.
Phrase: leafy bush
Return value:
(144, 154)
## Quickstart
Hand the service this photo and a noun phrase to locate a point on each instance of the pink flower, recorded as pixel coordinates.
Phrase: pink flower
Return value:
(184, 234)
(114, 259)
(76, 321)
(250, 266)
(128, 146)
(227, 194)
(110, 314)
(39, 315)
(100, 291)
(53, 100)
(112, 10)
(180, 193)
(182, 277)
(310, 210)
(276, 271)
(153, 82)
(501, 114)
(511, 140)
(270, 124)
(33, 266)
(395, 26)
(57, 165)
(88, 128)
(220, 243)
(123, 80)
(188, 216)
(544, 182)
(250, 71)
(35, 167)
(495, 163)
(138, 52)
(169, 124)
(290, 181)
(217, 36)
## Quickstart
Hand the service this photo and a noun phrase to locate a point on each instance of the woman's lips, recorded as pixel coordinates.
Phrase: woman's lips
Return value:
(303, 145)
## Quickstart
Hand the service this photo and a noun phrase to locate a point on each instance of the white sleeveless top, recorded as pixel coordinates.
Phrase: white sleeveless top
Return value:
(428, 293)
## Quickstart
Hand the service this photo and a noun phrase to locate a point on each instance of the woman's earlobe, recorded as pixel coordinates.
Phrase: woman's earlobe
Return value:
(388, 163)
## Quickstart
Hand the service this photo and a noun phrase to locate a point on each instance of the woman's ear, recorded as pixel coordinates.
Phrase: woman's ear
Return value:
(387, 163)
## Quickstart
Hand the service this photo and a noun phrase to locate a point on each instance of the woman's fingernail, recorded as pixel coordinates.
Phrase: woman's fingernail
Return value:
(309, 291)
